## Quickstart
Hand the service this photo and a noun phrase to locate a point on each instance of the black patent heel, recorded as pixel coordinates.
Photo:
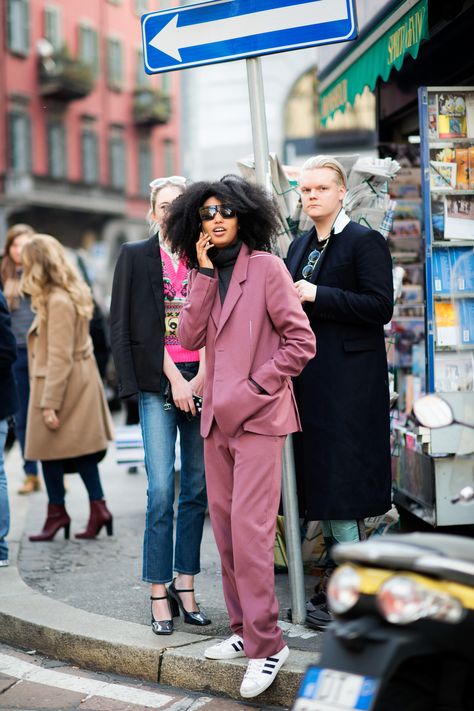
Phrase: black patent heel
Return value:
(162, 626)
(191, 618)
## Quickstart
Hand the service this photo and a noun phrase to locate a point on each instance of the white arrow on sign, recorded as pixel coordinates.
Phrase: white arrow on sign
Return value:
(171, 38)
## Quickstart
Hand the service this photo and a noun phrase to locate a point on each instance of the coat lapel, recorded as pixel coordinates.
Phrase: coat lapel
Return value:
(234, 292)
(317, 269)
(300, 248)
(155, 272)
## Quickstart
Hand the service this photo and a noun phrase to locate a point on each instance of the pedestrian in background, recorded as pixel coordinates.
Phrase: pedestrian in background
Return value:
(69, 423)
(343, 278)
(21, 318)
(8, 406)
(148, 293)
(243, 308)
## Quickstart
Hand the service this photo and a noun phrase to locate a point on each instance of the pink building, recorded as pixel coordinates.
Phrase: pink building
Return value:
(83, 128)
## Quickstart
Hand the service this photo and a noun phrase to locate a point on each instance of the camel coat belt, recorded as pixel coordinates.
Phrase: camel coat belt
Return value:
(64, 377)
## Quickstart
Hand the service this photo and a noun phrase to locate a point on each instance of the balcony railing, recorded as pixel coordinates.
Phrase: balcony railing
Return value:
(151, 107)
(62, 77)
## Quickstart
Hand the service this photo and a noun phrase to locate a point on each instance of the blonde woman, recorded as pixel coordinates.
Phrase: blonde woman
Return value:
(148, 294)
(68, 419)
(22, 317)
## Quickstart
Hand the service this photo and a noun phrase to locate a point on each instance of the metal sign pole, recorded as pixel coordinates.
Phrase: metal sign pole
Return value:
(259, 121)
(290, 502)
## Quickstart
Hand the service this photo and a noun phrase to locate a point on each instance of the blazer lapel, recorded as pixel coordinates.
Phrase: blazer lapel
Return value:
(155, 272)
(317, 269)
(216, 309)
(298, 253)
(234, 291)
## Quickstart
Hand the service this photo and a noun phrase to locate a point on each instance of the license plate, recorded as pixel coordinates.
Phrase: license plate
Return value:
(331, 690)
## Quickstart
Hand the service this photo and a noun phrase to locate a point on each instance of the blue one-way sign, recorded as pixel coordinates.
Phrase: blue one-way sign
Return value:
(223, 30)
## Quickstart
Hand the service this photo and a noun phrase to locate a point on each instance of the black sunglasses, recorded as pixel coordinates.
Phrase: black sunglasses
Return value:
(209, 212)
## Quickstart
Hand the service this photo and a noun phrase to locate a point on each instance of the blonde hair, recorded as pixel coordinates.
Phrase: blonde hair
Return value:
(327, 162)
(46, 266)
(174, 181)
(8, 269)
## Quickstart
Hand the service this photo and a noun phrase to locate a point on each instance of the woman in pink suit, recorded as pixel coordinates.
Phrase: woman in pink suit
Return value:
(243, 308)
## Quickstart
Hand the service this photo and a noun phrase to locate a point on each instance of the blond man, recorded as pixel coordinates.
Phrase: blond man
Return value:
(343, 277)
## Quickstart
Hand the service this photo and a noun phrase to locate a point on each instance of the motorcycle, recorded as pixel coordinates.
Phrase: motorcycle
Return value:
(402, 638)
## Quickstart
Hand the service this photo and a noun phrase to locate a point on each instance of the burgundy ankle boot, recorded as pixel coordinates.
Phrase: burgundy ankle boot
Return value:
(57, 518)
(99, 516)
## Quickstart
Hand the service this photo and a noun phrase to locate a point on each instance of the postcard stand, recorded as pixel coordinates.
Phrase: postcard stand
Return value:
(431, 467)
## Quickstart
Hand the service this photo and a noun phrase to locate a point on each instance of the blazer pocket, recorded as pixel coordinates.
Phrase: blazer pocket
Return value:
(361, 344)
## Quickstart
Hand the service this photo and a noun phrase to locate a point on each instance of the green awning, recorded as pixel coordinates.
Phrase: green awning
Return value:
(375, 56)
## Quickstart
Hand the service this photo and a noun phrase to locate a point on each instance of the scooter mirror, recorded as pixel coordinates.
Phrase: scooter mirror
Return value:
(432, 411)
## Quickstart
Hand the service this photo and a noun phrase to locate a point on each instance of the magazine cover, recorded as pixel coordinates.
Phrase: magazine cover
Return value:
(466, 320)
(454, 372)
(453, 270)
(462, 172)
(459, 217)
(433, 115)
(470, 153)
(409, 209)
(442, 175)
(462, 267)
(441, 271)
(452, 116)
(447, 323)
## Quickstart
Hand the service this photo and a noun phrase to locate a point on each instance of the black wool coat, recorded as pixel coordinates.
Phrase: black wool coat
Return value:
(8, 393)
(137, 317)
(343, 453)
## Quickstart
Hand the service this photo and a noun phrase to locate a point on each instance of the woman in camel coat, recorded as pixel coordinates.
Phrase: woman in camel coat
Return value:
(68, 424)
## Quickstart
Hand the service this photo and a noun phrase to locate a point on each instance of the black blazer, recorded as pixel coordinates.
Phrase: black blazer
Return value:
(137, 317)
(8, 394)
(343, 453)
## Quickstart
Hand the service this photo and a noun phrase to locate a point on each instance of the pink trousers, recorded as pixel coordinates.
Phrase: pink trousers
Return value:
(243, 476)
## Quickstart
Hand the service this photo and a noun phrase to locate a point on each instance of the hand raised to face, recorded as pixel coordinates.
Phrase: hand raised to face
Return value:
(202, 247)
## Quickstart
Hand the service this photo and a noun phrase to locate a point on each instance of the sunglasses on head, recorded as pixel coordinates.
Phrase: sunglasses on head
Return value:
(170, 180)
(209, 212)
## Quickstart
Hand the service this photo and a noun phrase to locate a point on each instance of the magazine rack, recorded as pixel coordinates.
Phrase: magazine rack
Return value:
(431, 467)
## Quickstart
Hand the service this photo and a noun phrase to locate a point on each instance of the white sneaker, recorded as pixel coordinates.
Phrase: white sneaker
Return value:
(261, 673)
(4, 563)
(230, 648)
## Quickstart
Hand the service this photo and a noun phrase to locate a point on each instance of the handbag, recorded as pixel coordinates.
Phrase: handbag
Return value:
(187, 375)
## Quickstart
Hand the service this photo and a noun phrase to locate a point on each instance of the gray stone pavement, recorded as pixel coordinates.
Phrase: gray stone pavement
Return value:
(84, 601)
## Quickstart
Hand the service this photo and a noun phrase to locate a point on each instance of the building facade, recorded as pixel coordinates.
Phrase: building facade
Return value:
(83, 129)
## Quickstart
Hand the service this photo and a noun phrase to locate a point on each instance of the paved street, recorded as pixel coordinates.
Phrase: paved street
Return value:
(32, 683)
(83, 602)
(104, 575)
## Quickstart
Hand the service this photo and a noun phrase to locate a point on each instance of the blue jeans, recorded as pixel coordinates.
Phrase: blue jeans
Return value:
(159, 430)
(4, 506)
(20, 371)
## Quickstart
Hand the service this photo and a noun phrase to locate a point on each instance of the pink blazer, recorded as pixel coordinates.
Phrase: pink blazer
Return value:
(260, 332)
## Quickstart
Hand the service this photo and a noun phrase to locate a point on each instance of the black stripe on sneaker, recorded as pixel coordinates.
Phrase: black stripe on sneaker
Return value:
(241, 644)
(273, 659)
(271, 666)
(266, 671)
(236, 646)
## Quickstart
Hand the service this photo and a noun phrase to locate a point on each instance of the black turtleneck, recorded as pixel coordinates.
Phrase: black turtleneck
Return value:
(224, 261)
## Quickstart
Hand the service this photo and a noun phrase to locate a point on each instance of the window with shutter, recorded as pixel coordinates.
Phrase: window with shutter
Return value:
(144, 167)
(52, 26)
(89, 47)
(18, 26)
(89, 153)
(56, 149)
(19, 140)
